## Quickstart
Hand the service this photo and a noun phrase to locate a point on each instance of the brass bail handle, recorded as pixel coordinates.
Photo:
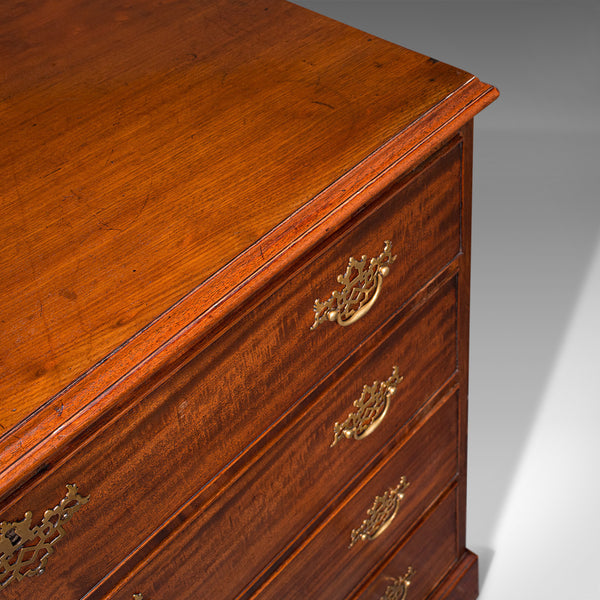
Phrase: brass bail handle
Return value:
(362, 284)
(398, 588)
(381, 514)
(371, 409)
(338, 315)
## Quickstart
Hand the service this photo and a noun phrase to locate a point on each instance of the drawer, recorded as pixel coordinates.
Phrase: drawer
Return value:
(428, 461)
(140, 469)
(228, 395)
(302, 471)
(422, 560)
(241, 531)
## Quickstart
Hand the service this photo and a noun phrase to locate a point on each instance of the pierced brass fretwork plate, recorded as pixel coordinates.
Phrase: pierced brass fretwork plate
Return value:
(398, 588)
(362, 284)
(381, 514)
(371, 408)
(25, 549)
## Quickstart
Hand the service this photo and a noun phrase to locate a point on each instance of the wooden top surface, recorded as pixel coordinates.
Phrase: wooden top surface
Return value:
(147, 144)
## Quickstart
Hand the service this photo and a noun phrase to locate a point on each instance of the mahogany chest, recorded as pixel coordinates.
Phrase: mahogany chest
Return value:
(235, 306)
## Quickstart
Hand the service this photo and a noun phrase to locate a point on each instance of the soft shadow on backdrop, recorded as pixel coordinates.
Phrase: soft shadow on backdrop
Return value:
(534, 441)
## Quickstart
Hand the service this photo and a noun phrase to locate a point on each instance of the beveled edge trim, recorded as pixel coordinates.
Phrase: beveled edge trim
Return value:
(110, 383)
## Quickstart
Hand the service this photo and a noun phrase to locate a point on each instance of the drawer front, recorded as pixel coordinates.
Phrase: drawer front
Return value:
(232, 392)
(140, 469)
(422, 560)
(301, 472)
(428, 460)
(207, 568)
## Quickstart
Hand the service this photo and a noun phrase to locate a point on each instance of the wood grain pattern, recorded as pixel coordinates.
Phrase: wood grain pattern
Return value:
(179, 331)
(179, 181)
(247, 462)
(119, 466)
(431, 449)
(428, 474)
(135, 175)
(431, 551)
(420, 214)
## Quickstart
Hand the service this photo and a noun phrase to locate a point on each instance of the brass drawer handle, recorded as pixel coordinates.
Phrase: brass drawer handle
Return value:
(398, 589)
(362, 286)
(371, 408)
(381, 514)
(24, 550)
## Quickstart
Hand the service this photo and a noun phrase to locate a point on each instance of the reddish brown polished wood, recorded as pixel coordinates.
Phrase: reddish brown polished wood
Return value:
(118, 160)
(344, 568)
(434, 544)
(263, 512)
(129, 177)
(461, 582)
(179, 181)
(180, 424)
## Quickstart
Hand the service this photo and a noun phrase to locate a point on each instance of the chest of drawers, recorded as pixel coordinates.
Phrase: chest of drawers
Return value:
(234, 323)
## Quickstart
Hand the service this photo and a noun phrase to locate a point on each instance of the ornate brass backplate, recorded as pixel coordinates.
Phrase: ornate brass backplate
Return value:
(371, 408)
(25, 549)
(381, 514)
(398, 588)
(362, 284)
